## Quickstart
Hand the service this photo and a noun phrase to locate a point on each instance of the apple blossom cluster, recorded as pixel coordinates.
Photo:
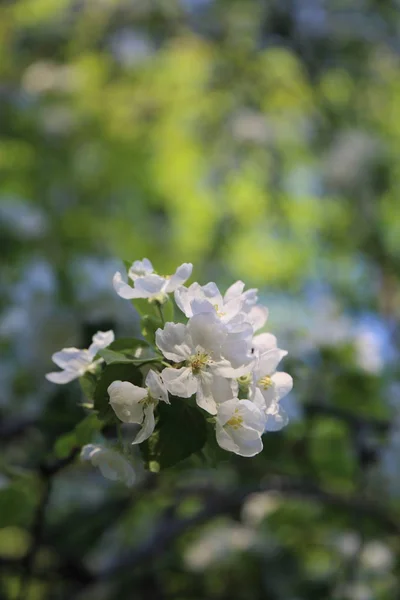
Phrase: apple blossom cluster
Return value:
(202, 362)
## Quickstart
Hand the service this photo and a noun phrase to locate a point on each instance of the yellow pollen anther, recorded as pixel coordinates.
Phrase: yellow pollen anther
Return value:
(219, 313)
(265, 382)
(236, 421)
(147, 400)
(198, 361)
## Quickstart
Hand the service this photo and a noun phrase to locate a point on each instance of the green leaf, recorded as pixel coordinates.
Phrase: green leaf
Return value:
(110, 356)
(65, 444)
(149, 327)
(212, 453)
(16, 504)
(113, 372)
(146, 308)
(168, 310)
(86, 429)
(155, 309)
(128, 345)
(127, 264)
(82, 434)
(181, 431)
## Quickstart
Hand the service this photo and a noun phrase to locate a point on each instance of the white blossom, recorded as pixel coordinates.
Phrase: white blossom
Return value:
(218, 543)
(111, 464)
(148, 284)
(263, 342)
(208, 357)
(75, 362)
(133, 404)
(234, 308)
(269, 386)
(239, 427)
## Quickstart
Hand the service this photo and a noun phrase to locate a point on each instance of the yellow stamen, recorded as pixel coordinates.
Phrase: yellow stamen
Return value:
(219, 313)
(147, 400)
(265, 382)
(236, 421)
(198, 361)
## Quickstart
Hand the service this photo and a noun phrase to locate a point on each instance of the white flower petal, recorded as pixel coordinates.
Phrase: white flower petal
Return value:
(277, 421)
(269, 360)
(180, 382)
(264, 342)
(224, 368)
(250, 297)
(225, 440)
(270, 398)
(89, 451)
(243, 442)
(283, 384)
(65, 356)
(202, 306)
(211, 291)
(257, 397)
(239, 427)
(223, 389)
(248, 441)
(231, 311)
(148, 426)
(62, 376)
(207, 333)
(234, 291)
(226, 410)
(157, 387)
(125, 399)
(252, 416)
(112, 465)
(173, 342)
(100, 340)
(184, 296)
(204, 397)
(150, 285)
(124, 290)
(140, 268)
(197, 299)
(181, 275)
(258, 316)
(236, 347)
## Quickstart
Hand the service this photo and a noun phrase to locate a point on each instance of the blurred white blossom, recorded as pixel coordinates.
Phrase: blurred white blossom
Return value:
(218, 544)
(112, 465)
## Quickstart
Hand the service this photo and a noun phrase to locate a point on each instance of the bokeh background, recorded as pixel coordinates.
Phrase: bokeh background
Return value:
(259, 140)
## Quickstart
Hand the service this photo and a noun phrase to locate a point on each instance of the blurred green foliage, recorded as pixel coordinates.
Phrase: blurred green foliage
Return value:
(260, 141)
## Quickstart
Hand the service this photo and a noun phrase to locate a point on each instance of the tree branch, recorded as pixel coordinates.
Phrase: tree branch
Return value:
(47, 471)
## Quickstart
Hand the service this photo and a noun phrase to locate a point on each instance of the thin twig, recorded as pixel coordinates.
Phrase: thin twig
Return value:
(47, 471)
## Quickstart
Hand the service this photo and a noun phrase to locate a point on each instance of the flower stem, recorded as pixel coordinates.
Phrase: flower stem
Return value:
(160, 310)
